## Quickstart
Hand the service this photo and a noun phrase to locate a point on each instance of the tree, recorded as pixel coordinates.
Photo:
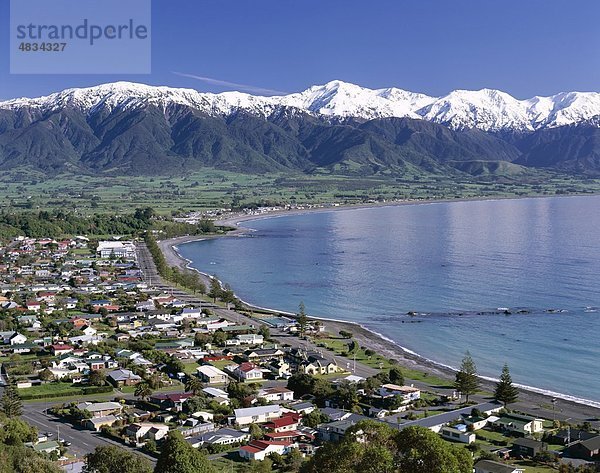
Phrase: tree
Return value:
(265, 332)
(111, 459)
(46, 375)
(215, 289)
(193, 385)
(178, 456)
(11, 403)
(466, 378)
(302, 318)
(17, 432)
(314, 418)
(143, 390)
(396, 376)
(423, 451)
(505, 391)
(255, 431)
(97, 378)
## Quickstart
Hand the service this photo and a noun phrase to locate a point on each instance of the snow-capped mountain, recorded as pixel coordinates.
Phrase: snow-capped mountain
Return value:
(486, 109)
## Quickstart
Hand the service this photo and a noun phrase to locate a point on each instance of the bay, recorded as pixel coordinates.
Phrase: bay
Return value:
(454, 264)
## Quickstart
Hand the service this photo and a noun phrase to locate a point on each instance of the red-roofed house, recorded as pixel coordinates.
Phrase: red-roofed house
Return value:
(34, 305)
(291, 436)
(259, 449)
(248, 371)
(60, 349)
(286, 423)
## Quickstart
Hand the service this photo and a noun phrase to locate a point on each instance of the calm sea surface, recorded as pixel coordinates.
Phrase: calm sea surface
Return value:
(454, 264)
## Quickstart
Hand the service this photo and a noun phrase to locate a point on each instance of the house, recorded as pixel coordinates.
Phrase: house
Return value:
(489, 466)
(217, 394)
(524, 425)
(211, 375)
(260, 354)
(47, 447)
(277, 393)
(475, 422)
(12, 338)
(436, 422)
(96, 423)
(224, 436)
(34, 306)
(259, 449)
(585, 449)
(171, 400)
(60, 349)
(407, 393)
(285, 423)
(279, 369)
(248, 339)
(100, 409)
(302, 407)
(567, 436)
(139, 433)
(247, 372)
(525, 447)
(123, 377)
(317, 364)
(89, 331)
(256, 415)
(455, 434)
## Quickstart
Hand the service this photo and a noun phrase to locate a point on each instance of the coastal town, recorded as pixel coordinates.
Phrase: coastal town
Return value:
(98, 349)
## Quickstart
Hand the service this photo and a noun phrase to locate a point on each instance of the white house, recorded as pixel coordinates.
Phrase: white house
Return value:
(256, 415)
(116, 249)
(276, 393)
(248, 372)
(407, 393)
(456, 434)
(259, 449)
(211, 375)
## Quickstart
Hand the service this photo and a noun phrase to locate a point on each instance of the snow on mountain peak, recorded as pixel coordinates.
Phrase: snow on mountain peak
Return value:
(485, 109)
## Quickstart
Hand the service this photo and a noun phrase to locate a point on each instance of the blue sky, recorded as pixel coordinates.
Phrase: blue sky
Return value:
(525, 47)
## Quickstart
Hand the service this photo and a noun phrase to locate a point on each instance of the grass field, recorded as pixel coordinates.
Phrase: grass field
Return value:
(213, 189)
(340, 345)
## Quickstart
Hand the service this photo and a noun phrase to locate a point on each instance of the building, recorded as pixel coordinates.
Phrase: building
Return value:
(407, 393)
(100, 409)
(260, 449)
(585, 449)
(525, 447)
(489, 466)
(116, 249)
(123, 377)
(224, 436)
(248, 372)
(456, 434)
(139, 433)
(276, 394)
(97, 423)
(524, 425)
(285, 423)
(211, 375)
(256, 415)
(171, 400)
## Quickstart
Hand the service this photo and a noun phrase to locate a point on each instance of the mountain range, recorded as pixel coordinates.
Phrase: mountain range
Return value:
(336, 128)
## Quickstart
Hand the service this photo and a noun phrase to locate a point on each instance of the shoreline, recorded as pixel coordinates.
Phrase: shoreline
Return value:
(531, 398)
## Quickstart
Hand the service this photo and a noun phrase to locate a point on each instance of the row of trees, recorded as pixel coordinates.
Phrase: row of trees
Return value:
(467, 382)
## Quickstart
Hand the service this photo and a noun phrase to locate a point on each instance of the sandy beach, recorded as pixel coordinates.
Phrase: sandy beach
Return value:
(532, 402)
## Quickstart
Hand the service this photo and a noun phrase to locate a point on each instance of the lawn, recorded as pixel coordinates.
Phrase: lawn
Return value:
(340, 345)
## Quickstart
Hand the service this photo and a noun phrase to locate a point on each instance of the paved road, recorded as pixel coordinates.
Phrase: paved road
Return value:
(83, 441)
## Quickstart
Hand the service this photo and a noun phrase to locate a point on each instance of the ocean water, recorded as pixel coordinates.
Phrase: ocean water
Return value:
(454, 264)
